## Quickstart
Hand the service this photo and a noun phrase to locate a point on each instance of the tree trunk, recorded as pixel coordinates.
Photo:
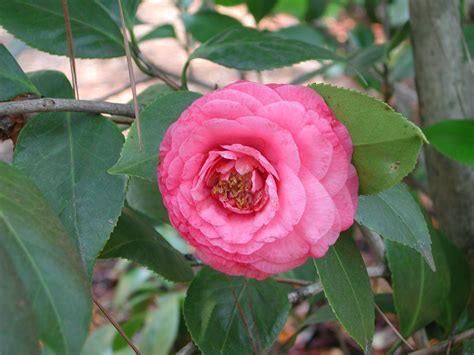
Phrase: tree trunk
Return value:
(445, 87)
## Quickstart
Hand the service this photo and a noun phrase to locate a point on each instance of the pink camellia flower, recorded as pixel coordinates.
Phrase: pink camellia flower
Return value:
(257, 178)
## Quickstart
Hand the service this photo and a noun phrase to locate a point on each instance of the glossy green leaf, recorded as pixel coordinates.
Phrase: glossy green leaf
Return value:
(143, 196)
(453, 138)
(302, 33)
(67, 156)
(161, 326)
(296, 8)
(52, 83)
(419, 293)
(347, 287)
(386, 145)
(151, 93)
(260, 8)
(41, 25)
(155, 120)
(47, 273)
(13, 81)
(163, 31)
(248, 49)
(233, 315)
(134, 239)
(130, 328)
(205, 24)
(460, 284)
(17, 320)
(395, 215)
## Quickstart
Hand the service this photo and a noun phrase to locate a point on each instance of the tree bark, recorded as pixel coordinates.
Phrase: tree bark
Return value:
(445, 89)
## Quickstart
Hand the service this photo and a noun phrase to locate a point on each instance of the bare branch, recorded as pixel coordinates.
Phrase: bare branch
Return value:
(65, 105)
(306, 292)
(468, 334)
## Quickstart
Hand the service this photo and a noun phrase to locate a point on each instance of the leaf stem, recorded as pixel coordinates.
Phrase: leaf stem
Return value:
(116, 326)
(390, 324)
(131, 74)
(468, 334)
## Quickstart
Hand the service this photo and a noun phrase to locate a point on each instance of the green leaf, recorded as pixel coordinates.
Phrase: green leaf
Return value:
(260, 8)
(303, 33)
(163, 31)
(67, 156)
(47, 271)
(305, 272)
(143, 196)
(296, 8)
(228, 2)
(161, 326)
(468, 32)
(367, 57)
(386, 145)
(138, 241)
(13, 81)
(453, 138)
(129, 8)
(155, 120)
(17, 320)
(151, 93)
(460, 284)
(248, 49)
(233, 315)
(315, 9)
(41, 25)
(419, 293)
(346, 285)
(468, 347)
(128, 284)
(52, 83)
(385, 302)
(396, 216)
(100, 342)
(205, 24)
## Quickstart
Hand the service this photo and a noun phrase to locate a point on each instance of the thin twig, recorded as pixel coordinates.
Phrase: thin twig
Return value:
(65, 105)
(70, 48)
(293, 282)
(116, 326)
(468, 334)
(310, 290)
(131, 74)
(390, 324)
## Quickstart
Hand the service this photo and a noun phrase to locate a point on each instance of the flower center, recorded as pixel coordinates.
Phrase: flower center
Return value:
(240, 193)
